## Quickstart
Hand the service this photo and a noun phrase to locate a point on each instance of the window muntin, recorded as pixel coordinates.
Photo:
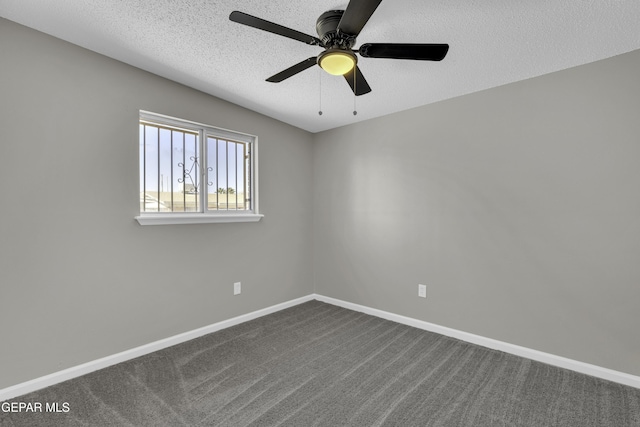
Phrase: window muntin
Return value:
(189, 168)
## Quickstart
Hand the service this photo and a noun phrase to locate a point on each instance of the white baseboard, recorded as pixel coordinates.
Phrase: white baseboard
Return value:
(85, 368)
(550, 359)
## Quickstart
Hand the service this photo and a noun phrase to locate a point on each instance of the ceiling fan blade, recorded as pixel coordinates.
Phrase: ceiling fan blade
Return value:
(424, 52)
(292, 71)
(356, 15)
(360, 86)
(261, 24)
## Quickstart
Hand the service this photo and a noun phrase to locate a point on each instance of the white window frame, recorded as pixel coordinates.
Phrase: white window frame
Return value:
(205, 216)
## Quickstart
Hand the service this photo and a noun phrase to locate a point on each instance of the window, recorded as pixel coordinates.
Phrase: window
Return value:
(195, 173)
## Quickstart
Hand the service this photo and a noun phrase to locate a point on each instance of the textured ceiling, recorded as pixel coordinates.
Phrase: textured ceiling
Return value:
(492, 42)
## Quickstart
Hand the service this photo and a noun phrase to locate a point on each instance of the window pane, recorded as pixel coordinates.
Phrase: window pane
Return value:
(169, 169)
(227, 175)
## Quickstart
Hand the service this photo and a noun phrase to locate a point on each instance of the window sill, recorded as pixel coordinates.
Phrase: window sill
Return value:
(166, 219)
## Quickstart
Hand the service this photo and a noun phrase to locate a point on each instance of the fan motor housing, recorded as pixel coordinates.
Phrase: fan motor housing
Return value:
(327, 28)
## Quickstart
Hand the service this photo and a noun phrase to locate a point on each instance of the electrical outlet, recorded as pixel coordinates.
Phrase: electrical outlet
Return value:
(237, 288)
(422, 291)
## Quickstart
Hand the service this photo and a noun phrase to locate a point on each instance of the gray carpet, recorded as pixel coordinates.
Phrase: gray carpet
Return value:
(321, 365)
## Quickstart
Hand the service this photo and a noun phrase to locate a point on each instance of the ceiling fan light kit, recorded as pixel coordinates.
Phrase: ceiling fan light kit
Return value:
(337, 62)
(337, 31)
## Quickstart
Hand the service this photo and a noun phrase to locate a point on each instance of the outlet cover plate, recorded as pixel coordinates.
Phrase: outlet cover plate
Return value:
(237, 288)
(422, 291)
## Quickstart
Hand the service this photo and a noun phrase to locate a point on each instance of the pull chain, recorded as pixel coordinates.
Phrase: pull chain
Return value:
(320, 93)
(354, 92)
(355, 111)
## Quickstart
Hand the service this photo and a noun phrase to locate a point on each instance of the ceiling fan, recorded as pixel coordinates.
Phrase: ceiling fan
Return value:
(337, 31)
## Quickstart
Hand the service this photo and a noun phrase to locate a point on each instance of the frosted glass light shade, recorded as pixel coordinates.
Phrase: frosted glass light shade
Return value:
(337, 62)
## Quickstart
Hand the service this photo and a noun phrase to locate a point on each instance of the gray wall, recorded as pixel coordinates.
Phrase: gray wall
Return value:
(79, 278)
(518, 206)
